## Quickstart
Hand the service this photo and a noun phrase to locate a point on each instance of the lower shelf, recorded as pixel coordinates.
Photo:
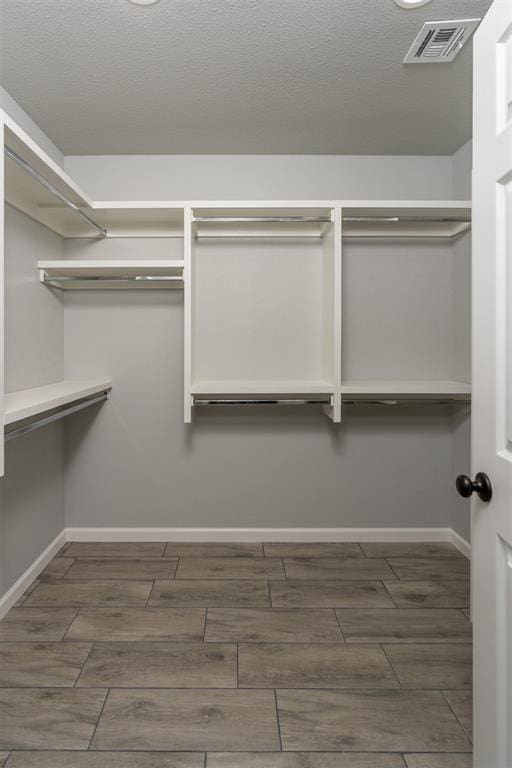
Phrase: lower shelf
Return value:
(28, 403)
(406, 390)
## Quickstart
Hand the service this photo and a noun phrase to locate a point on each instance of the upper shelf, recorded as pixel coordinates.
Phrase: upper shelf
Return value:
(31, 402)
(419, 218)
(266, 221)
(231, 387)
(143, 273)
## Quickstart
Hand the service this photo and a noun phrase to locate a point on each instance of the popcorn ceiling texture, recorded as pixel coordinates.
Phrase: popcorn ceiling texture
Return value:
(235, 76)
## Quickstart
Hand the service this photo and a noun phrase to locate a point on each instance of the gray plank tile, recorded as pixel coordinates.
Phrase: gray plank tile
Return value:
(462, 704)
(467, 612)
(209, 593)
(26, 623)
(80, 593)
(90, 568)
(230, 568)
(421, 568)
(452, 593)
(3, 758)
(303, 760)
(356, 721)
(213, 549)
(115, 549)
(56, 568)
(406, 625)
(48, 718)
(138, 624)
(313, 665)
(41, 664)
(313, 549)
(432, 666)
(353, 568)
(329, 594)
(426, 760)
(410, 549)
(188, 720)
(160, 665)
(65, 759)
(272, 625)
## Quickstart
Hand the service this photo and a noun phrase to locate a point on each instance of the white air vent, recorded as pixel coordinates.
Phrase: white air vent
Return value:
(440, 41)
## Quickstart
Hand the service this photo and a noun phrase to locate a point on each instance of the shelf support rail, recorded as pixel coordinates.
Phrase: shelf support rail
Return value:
(53, 190)
(284, 401)
(50, 417)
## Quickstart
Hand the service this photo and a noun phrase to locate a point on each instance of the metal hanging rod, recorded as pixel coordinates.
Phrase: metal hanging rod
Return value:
(263, 219)
(44, 420)
(404, 219)
(407, 401)
(49, 279)
(288, 401)
(53, 190)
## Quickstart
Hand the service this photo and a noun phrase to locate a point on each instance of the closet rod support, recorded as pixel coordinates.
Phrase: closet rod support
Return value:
(44, 420)
(52, 190)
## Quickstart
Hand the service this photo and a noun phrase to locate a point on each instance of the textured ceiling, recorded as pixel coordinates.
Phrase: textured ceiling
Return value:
(235, 76)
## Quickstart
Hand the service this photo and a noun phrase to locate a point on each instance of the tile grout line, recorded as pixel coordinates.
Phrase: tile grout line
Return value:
(443, 694)
(77, 611)
(98, 720)
(278, 723)
(389, 593)
(83, 665)
(395, 673)
(339, 625)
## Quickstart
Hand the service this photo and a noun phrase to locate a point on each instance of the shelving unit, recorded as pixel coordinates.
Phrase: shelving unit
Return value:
(287, 300)
(141, 274)
(263, 312)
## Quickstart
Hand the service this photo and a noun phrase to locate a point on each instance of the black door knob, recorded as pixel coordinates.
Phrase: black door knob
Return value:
(481, 485)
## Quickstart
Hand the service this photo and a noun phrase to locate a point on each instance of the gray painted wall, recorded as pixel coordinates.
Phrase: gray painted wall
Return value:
(135, 464)
(32, 490)
(251, 177)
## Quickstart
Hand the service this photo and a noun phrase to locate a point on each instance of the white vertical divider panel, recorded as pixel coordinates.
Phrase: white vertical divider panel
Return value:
(188, 309)
(2, 291)
(334, 411)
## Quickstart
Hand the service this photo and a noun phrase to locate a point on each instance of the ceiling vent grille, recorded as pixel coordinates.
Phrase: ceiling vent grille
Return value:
(440, 41)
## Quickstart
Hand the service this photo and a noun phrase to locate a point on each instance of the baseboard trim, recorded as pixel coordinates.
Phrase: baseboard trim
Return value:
(461, 544)
(261, 534)
(25, 580)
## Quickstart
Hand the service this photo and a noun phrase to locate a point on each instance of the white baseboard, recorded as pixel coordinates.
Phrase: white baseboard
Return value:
(261, 534)
(225, 534)
(461, 544)
(25, 580)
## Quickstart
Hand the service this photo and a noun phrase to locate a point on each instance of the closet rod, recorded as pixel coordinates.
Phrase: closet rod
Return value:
(53, 190)
(49, 279)
(262, 219)
(44, 420)
(262, 402)
(405, 219)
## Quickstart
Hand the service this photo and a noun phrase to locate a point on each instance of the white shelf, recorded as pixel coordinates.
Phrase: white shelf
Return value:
(406, 390)
(262, 387)
(30, 402)
(416, 218)
(140, 274)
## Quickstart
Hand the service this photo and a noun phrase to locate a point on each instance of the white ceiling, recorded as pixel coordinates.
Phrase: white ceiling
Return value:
(235, 76)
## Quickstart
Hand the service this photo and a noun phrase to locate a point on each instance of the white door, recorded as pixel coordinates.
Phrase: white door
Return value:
(492, 387)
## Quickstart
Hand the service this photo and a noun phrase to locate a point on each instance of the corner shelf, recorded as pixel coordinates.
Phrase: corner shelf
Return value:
(133, 274)
(29, 403)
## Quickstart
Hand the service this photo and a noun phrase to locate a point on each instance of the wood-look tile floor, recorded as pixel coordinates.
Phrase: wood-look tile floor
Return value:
(282, 655)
